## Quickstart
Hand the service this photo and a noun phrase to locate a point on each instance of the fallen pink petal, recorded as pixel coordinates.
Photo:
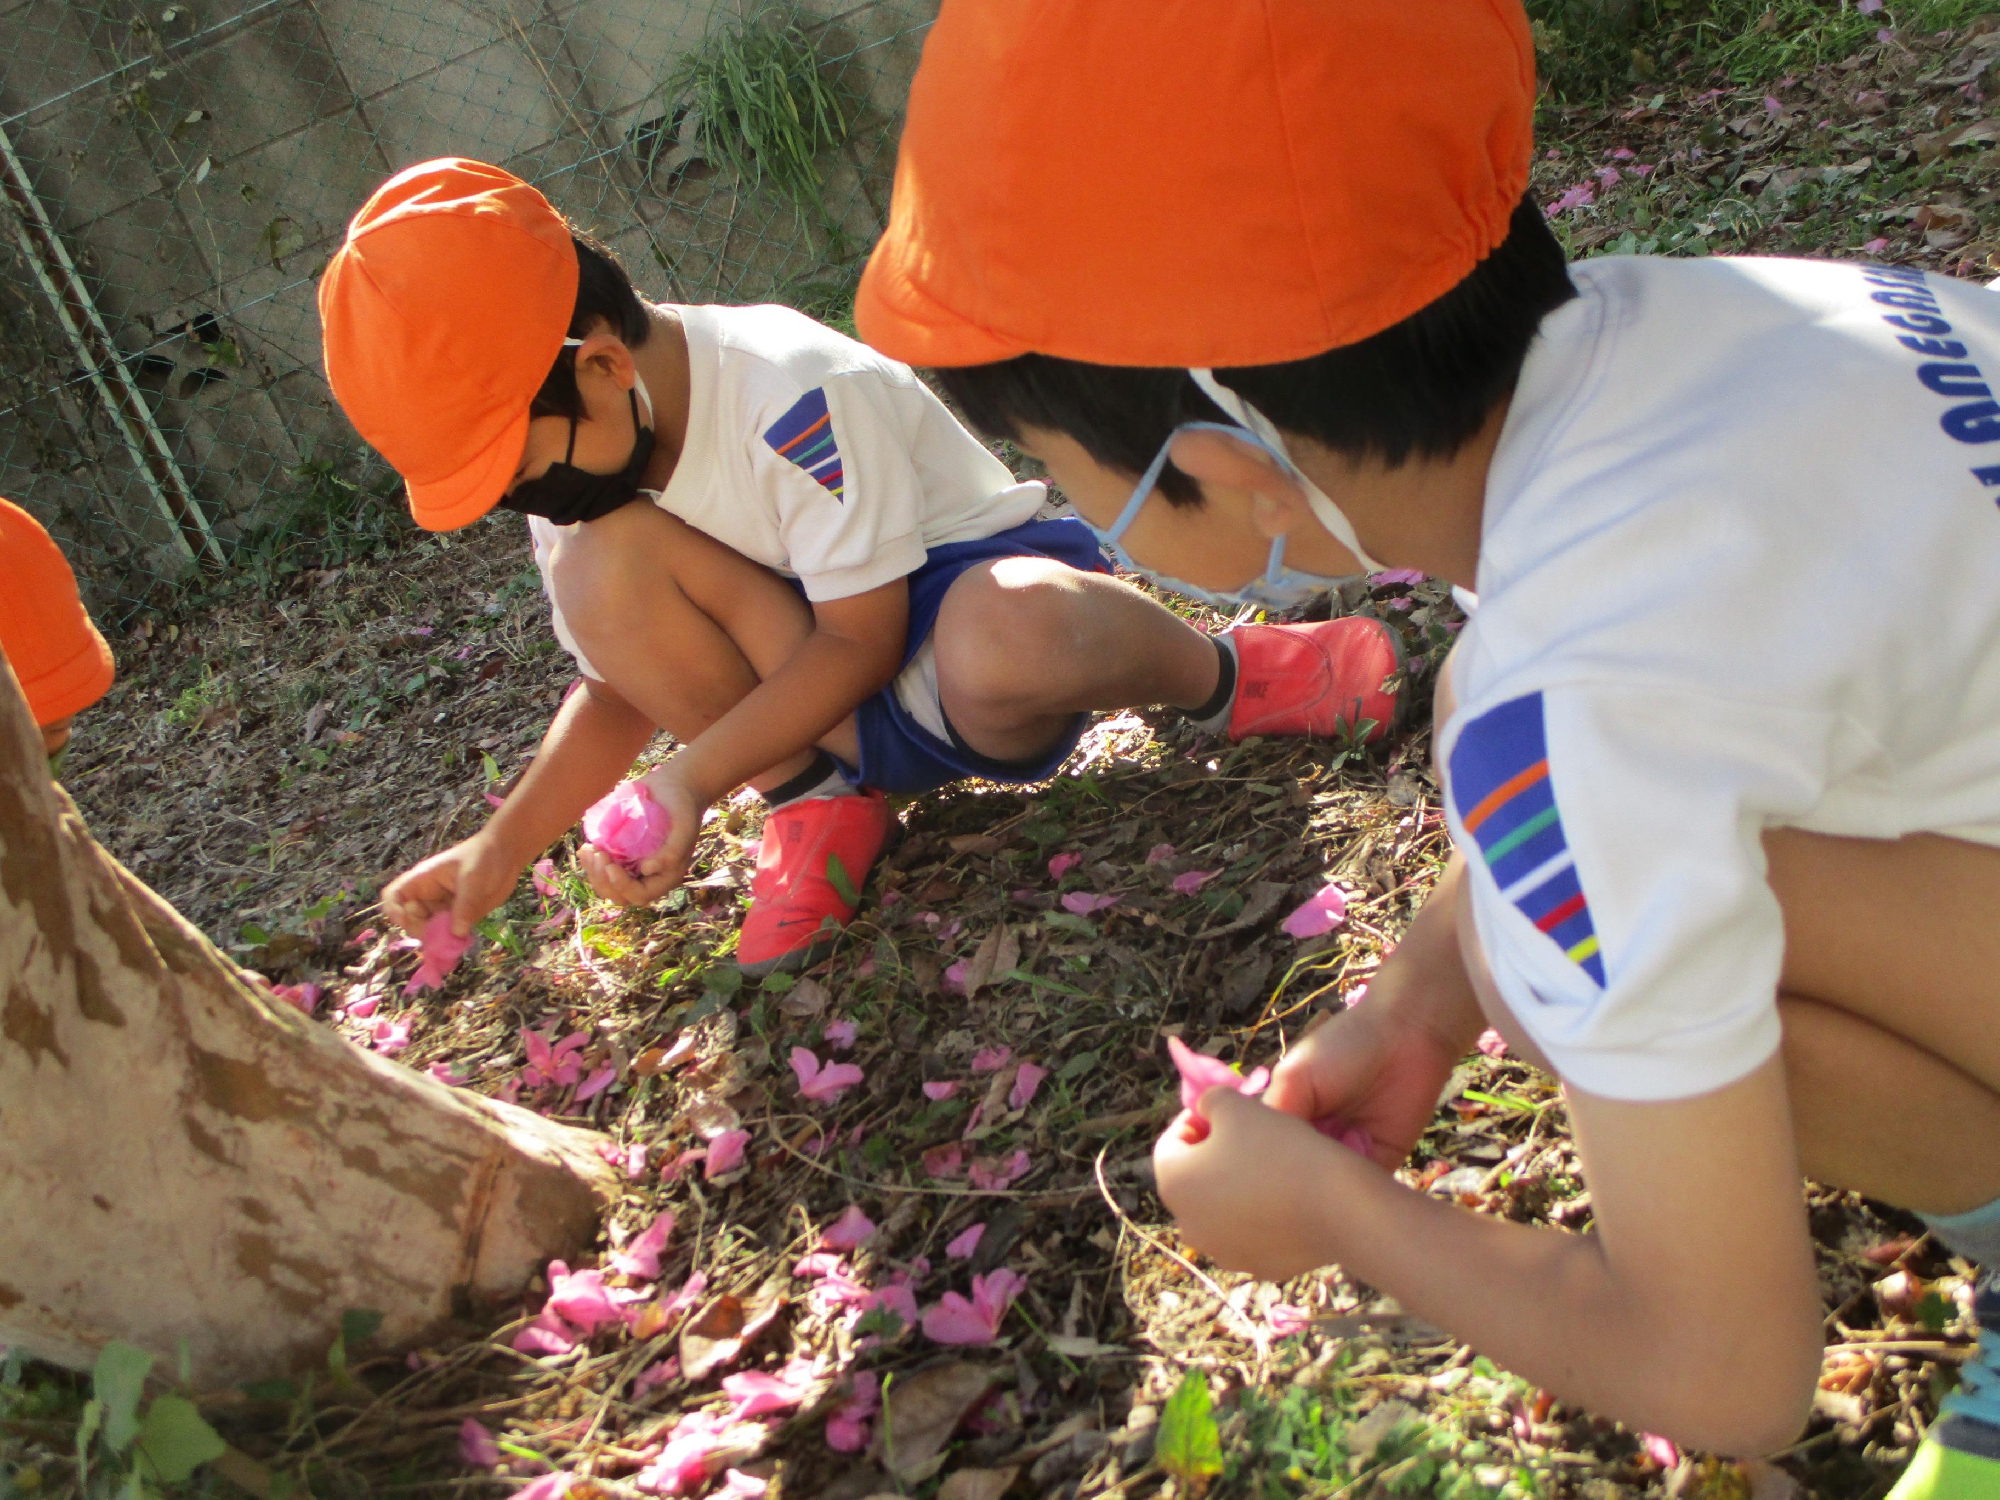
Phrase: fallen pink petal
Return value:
(847, 1429)
(442, 948)
(1319, 913)
(757, 1393)
(975, 1320)
(1062, 864)
(443, 1074)
(1159, 854)
(1027, 1079)
(937, 1093)
(1084, 903)
(548, 1487)
(1492, 1043)
(1660, 1450)
(1875, 247)
(991, 1059)
(848, 1232)
(544, 876)
(641, 1258)
(956, 975)
(725, 1153)
(1285, 1320)
(304, 996)
(944, 1161)
(1187, 884)
(548, 1334)
(654, 1376)
(627, 824)
(362, 1009)
(991, 1176)
(736, 1482)
(476, 1447)
(821, 1263)
(579, 1298)
(962, 1247)
(596, 1083)
(840, 1035)
(823, 1082)
(391, 1037)
(1200, 1073)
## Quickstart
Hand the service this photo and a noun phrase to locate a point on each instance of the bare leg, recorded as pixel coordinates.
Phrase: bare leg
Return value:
(1024, 644)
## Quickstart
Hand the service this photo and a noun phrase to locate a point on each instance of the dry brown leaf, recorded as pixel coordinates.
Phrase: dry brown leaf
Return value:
(920, 1414)
(977, 1484)
(979, 967)
(973, 843)
(805, 999)
(724, 1330)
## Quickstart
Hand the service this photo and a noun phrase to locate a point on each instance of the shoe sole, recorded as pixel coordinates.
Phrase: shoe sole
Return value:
(790, 963)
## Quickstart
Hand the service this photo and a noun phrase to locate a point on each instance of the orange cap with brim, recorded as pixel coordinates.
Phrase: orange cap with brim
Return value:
(1194, 183)
(59, 655)
(442, 314)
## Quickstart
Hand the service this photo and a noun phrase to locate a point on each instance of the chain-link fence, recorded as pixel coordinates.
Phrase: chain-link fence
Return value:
(176, 174)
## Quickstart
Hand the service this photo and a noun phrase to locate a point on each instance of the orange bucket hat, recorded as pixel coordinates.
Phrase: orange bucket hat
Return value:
(1183, 182)
(441, 315)
(59, 655)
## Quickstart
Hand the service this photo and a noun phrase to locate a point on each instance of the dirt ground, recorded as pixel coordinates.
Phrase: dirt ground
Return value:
(267, 760)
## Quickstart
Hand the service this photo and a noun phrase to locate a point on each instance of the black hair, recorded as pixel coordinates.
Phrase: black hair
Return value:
(1422, 387)
(604, 294)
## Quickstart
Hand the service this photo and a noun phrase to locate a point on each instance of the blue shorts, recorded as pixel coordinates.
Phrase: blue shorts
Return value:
(897, 753)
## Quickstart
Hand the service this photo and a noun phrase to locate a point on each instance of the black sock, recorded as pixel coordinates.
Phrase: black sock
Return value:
(820, 779)
(1213, 714)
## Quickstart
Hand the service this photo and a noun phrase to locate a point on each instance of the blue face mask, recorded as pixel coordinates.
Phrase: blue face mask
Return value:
(1279, 588)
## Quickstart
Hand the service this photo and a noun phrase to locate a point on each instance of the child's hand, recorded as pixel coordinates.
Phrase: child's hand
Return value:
(1254, 1193)
(1370, 1067)
(469, 880)
(666, 867)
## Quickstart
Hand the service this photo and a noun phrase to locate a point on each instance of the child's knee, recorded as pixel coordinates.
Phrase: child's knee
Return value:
(1001, 625)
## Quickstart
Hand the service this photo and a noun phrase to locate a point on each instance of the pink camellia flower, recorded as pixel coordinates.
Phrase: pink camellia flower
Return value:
(962, 1247)
(839, 1035)
(1062, 864)
(641, 1258)
(1084, 903)
(1159, 854)
(1027, 1079)
(990, 1176)
(627, 824)
(823, 1082)
(476, 1447)
(847, 1429)
(443, 948)
(555, 1064)
(1193, 880)
(757, 1393)
(1320, 912)
(937, 1093)
(544, 876)
(955, 1320)
(548, 1334)
(391, 1037)
(991, 1059)
(579, 1298)
(725, 1153)
(848, 1232)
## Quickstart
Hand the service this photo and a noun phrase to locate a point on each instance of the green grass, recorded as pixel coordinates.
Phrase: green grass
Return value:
(1597, 49)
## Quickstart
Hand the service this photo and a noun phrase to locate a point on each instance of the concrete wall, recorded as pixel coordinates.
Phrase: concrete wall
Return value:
(201, 160)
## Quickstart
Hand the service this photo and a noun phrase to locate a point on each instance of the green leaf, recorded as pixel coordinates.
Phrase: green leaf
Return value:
(119, 1381)
(86, 1429)
(490, 766)
(359, 1324)
(1190, 1444)
(1076, 1067)
(175, 1441)
(270, 1390)
(1934, 1312)
(836, 876)
(253, 935)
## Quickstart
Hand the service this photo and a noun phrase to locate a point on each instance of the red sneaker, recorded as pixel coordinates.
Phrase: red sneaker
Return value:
(1317, 680)
(794, 895)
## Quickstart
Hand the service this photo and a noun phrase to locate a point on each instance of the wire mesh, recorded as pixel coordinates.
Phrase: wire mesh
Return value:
(176, 175)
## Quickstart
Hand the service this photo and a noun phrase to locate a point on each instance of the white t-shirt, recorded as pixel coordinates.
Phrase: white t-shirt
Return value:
(814, 455)
(1740, 569)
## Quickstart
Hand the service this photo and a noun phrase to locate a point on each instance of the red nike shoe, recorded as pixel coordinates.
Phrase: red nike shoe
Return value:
(1318, 680)
(796, 900)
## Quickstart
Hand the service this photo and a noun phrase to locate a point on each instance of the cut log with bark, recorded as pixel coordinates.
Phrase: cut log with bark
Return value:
(184, 1157)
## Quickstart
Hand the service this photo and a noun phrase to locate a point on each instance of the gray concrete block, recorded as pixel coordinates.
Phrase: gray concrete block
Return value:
(84, 161)
(50, 47)
(626, 48)
(137, 261)
(233, 447)
(257, 85)
(492, 105)
(383, 43)
(588, 185)
(274, 316)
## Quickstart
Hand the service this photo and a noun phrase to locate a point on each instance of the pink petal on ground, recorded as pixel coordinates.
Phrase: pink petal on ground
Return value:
(443, 1074)
(849, 1231)
(494, 800)
(1193, 880)
(756, 1393)
(805, 1066)
(443, 948)
(957, 1320)
(1284, 1320)
(362, 1009)
(1159, 854)
(1027, 1079)
(1771, 105)
(847, 1428)
(654, 1376)
(476, 1447)
(579, 1298)
(597, 1083)
(955, 977)
(944, 1161)
(990, 1176)
(1875, 247)
(304, 996)
(1062, 864)
(1319, 913)
(391, 1037)
(544, 876)
(839, 1035)
(1868, 7)
(671, 1172)
(641, 1258)
(994, 1292)
(548, 1487)
(937, 1093)
(1200, 1073)
(1492, 1043)
(821, 1263)
(681, 1466)
(575, 1042)
(898, 1298)
(823, 1083)
(1608, 177)
(736, 1482)
(635, 1163)
(725, 1153)
(991, 1059)
(539, 1055)
(1660, 1450)
(627, 824)
(548, 1334)
(962, 1247)
(1083, 903)
(690, 1293)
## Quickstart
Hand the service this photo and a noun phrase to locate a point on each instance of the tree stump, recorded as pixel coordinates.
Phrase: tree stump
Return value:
(184, 1157)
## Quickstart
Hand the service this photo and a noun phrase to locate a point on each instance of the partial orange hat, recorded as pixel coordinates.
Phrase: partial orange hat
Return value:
(59, 655)
(441, 315)
(1195, 183)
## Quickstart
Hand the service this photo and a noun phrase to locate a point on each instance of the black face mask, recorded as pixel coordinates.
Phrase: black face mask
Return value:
(565, 494)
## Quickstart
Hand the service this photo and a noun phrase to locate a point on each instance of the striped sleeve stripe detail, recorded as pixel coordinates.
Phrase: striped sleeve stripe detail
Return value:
(804, 436)
(1499, 773)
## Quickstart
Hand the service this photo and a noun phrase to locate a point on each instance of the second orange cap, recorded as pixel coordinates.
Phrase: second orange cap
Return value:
(441, 315)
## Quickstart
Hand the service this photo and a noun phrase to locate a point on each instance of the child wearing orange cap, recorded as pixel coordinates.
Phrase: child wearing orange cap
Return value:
(57, 653)
(1727, 807)
(835, 592)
